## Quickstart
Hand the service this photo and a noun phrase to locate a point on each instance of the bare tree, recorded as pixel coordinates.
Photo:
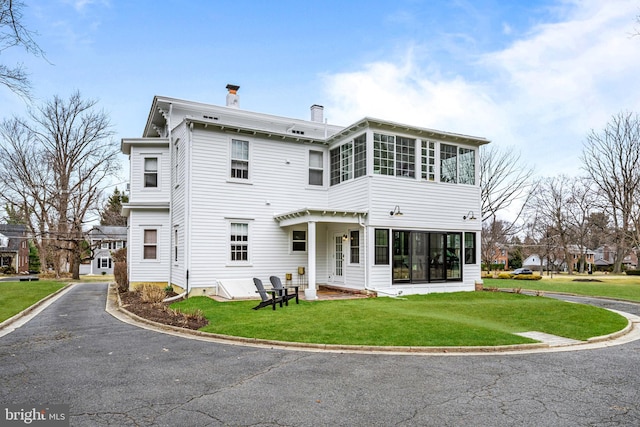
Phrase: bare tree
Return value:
(57, 163)
(549, 204)
(503, 179)
(580, 207)
(12, 34)
(611, 159)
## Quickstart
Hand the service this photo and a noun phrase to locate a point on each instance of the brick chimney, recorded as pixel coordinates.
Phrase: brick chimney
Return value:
(317, 113)
(233, 100)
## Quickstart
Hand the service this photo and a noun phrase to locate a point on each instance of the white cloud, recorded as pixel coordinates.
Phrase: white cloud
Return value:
(543, 93)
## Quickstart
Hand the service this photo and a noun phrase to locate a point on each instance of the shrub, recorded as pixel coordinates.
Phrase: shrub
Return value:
(7, 270)
(151, 294)
(120, 269)
(527, 277)
(504, 276)
(632, 272)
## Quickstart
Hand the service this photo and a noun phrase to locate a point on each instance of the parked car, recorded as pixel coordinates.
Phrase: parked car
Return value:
(518, 271)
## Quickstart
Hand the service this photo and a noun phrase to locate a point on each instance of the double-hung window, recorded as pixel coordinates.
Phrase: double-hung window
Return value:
(239, 159)
(316, 167)
(150, 245)
(104, 262)
(239, 241)
(150, 172)
(299, 241)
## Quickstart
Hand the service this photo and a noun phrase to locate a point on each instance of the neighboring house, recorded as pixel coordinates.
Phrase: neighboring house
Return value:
(219, 195)
(501, 256)
(14, 248)
(104, 240)
(576, 253)
(605, 258)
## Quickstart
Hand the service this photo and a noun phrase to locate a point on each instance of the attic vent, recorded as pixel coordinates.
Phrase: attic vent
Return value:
(298, 132)
(209, 117)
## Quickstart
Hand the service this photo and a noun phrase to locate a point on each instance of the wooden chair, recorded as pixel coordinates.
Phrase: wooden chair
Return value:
(282, 291)
(264, 295)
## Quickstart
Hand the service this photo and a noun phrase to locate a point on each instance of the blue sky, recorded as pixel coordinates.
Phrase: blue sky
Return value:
(533, 75)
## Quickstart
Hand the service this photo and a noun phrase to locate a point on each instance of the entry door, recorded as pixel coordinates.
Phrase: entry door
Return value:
(338, 258)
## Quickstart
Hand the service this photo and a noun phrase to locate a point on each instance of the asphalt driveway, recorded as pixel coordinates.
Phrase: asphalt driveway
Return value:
(114, 373)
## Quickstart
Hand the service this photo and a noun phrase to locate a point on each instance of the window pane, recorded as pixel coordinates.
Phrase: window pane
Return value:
(315, 159)
(150, 236)
(334, 160)
(429, 160)
(346, 159)
(315, 177)
(405, 157)
(360, 156)
(454, 250)
(382, 247)
(355, 247)
(448, 163)
(383, 154)
(470, 248)
(467, 166)
(151, 164)
(150, 252)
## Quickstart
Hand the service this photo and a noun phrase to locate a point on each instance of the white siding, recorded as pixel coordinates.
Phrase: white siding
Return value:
(141, 270)
(138, 192)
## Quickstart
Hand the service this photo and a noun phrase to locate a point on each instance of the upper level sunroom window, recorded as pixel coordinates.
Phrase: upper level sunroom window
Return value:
(457, 164)
(402, 156)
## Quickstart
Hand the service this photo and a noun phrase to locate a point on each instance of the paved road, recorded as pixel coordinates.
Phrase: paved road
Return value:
(114, 373)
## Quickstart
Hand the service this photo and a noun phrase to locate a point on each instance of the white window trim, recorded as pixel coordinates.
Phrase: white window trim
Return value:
(249, 178)
(325, 157)
(158, 238)
(100, 261)
(227, 242)
(306, 242)
(158, 156)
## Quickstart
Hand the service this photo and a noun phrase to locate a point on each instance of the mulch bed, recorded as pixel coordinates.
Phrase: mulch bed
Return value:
(159, 312)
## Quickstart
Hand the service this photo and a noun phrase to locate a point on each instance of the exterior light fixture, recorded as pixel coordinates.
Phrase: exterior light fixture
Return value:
(396, 211)
(469, 216)
(345, 237)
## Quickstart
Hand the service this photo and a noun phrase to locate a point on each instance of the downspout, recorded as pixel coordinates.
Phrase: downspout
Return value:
(171, 187)
(187, 217)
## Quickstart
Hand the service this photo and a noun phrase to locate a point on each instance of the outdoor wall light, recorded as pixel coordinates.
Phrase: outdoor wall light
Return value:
(470, 216)
(396, 211)
(345, 237)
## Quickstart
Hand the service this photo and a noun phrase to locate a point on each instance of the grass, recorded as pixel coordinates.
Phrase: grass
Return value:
(449, 319)
(16, 296)
(611, 286)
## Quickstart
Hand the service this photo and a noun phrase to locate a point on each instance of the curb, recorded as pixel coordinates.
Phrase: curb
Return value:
(31, 308)
(114, 306)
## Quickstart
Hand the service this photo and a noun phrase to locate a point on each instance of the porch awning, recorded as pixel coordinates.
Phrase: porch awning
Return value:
(304, 215)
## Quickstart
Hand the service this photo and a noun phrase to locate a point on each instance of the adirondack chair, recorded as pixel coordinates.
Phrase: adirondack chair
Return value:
(282, 291)
(264, 295)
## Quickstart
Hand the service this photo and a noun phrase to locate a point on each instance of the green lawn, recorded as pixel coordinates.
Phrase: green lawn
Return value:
(619, 286)
(16, 296)
(450, 319)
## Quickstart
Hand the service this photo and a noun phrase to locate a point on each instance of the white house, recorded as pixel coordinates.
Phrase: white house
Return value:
(219, 195)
